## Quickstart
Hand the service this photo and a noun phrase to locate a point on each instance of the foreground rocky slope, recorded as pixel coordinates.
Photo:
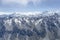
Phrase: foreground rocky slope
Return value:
(33, 27)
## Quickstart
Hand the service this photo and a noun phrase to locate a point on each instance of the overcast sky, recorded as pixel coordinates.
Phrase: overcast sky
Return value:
(28, 5)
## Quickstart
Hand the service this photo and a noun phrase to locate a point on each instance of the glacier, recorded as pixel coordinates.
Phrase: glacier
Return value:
(43, 26)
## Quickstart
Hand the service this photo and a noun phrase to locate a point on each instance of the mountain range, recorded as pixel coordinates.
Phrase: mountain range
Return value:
(44, 26)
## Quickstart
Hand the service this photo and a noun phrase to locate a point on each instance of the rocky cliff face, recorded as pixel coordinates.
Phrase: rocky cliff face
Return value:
(22, 27)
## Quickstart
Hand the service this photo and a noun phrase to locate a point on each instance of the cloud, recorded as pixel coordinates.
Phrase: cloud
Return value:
(29, 13)
(22, 2)
(21, 13)
(5, 13)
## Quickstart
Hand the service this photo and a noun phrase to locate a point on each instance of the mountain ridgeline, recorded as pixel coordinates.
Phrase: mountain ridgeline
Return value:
(33, 27)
